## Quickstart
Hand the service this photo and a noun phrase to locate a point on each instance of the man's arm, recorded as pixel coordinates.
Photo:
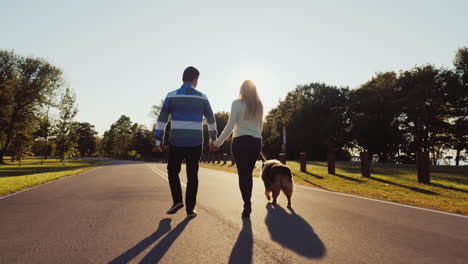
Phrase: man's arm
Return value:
(210, 120)
(162, 122)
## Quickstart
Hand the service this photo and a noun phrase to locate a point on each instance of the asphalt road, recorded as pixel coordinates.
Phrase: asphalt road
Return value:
(116, 214)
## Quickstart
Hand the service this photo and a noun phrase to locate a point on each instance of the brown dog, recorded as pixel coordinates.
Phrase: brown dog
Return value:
(276, 177)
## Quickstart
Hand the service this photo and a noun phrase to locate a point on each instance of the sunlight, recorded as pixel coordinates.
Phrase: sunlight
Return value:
(263, 78)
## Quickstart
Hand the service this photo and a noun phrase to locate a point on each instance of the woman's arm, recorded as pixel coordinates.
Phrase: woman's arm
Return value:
(229, 127)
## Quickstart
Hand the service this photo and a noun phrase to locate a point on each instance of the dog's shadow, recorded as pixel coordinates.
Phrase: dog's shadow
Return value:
(291, 231)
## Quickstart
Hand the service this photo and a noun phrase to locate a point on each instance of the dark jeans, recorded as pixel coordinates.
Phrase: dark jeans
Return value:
(192, 158)
(246, 150)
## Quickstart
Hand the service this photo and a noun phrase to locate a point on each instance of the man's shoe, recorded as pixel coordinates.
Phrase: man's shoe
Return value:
(191, 214)
(246, 212)
(175, 208)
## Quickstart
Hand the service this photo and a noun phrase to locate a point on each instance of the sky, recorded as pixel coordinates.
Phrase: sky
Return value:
(122, 57)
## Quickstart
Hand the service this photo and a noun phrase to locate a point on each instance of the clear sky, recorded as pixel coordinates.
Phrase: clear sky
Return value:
(121, 57)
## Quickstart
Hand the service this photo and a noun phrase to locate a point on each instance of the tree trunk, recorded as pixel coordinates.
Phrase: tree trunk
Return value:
(9, 135)
(457, 158)
(1, 156)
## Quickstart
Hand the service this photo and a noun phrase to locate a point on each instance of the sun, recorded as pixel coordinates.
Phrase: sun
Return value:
(262, 78)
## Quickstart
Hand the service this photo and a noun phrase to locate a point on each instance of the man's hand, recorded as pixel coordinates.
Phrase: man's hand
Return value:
(213, 147)
(157, 149)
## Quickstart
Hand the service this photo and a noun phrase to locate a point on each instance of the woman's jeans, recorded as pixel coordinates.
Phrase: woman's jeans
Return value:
(246, 150)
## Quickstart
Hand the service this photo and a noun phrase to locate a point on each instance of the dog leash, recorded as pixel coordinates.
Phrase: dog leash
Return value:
(263, 156)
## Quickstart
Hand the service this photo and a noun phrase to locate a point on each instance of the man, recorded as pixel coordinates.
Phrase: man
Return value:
(187, 107)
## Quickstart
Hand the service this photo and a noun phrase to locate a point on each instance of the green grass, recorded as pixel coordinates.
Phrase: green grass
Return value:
(14, 178)
(448, 190)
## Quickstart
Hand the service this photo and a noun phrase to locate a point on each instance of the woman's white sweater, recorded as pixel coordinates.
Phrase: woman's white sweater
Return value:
(239, 125)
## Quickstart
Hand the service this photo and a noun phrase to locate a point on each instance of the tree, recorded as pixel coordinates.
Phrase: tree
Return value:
(142, 142)
(84, 135)
(43, 133)
(26, 85)
(315, 119)
(457, 90)
(373, 112)
(21, 146)
(461, 65)
(426, 113)
(117, 139)
(221, 122)
(64, 139)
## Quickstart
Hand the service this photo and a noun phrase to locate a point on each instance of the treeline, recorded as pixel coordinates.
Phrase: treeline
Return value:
(392, 116)
(29, 88)
(127, 140)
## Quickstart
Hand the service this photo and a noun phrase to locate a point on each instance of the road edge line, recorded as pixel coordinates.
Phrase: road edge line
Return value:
(367, 198)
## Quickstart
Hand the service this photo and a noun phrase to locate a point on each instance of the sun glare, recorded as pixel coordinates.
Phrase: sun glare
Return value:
(263, 79)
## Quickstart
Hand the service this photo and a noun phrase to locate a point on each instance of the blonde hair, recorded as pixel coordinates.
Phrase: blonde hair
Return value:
(248, 94)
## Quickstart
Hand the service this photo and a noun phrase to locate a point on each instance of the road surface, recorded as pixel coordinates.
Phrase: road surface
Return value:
(115, 214)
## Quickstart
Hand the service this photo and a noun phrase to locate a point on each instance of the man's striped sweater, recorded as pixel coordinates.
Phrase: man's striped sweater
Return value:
(186, 106)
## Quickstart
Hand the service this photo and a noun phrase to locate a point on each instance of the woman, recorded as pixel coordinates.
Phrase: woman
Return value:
(245, 120)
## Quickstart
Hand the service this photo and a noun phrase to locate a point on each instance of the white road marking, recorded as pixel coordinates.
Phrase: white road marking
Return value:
(381, 201)
(163, 174)
(375, 200)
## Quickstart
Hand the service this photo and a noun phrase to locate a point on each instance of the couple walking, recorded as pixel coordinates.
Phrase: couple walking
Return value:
(187, 107)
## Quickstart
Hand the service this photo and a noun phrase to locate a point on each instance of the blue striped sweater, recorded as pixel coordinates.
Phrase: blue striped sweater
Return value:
(186, 106)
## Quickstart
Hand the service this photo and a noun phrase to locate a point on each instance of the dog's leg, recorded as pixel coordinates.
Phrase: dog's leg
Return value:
(275, 196)
(289, 200)
(276, 187)
(276, 191)
(287, 187)
(267, 194)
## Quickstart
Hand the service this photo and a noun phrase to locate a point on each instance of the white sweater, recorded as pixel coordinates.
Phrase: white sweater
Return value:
(240, 125)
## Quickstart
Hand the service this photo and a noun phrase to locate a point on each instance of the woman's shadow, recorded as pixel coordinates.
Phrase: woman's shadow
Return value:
(291, 231)
(242, 251)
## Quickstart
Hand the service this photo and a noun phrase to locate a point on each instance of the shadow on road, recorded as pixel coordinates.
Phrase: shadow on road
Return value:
(242, 251)
(158, 251)
(291, 231)
(127, 256)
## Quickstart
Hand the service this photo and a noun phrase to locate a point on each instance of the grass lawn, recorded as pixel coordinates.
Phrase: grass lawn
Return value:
(448, 190)
(31, 173)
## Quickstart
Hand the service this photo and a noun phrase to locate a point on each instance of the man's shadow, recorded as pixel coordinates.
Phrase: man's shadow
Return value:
(127, 256)
(158, 251)
(242, 251)
(291, 231)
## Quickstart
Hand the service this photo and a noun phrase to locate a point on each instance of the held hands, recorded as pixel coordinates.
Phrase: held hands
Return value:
(157, 148)
(213, 147)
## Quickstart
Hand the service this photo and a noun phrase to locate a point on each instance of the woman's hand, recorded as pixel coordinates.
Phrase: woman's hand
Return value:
(213, 147)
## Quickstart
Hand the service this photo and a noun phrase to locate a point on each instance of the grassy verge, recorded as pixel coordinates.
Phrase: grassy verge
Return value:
(31, 173)
(397, 183)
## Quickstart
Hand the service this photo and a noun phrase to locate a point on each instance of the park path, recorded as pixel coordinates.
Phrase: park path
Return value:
(115, 214)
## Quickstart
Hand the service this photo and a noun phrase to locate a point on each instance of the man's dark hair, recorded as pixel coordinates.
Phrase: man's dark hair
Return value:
(190, 74)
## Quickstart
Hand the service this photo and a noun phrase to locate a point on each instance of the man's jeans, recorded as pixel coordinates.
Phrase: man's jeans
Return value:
(192, 158)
